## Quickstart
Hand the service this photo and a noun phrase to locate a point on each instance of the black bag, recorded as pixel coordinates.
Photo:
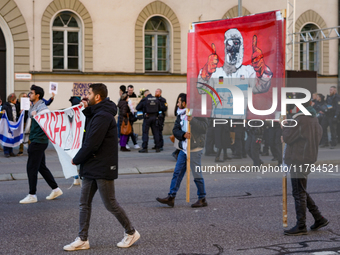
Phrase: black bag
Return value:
(132, 118)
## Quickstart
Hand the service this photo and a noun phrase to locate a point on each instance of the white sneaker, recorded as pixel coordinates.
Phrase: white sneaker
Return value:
(128, 240)
(55, 193)
(78, 244)
(29, 199)
(76, 182)
(136, 146)
(127, 147)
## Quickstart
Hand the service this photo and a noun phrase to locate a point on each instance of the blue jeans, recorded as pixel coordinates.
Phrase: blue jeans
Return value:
(180, 169)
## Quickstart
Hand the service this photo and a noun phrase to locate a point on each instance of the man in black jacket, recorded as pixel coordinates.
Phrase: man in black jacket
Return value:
(302, 151)
(150, 107)
(98, 159)
(199, 128)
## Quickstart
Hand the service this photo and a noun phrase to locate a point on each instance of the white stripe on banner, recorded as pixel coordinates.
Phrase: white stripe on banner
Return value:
(11, 133)
(65, 130)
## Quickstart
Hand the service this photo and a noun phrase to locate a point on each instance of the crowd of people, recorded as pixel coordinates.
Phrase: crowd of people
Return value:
(98, 156)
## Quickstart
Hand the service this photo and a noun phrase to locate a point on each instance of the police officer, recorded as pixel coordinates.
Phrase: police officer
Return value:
(150, 107)
(331, 118)
(161, 116)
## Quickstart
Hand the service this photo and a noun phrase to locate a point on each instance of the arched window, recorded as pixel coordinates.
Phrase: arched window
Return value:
(309, 50)
(156, 45)
(66, 41)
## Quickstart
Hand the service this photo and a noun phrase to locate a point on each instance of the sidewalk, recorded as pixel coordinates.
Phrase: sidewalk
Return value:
(14, 168)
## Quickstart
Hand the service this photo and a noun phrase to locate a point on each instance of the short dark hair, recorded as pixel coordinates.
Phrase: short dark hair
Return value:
(38, 91)
(122, 88)
(183, 97)
(130, 86)
(99, 89)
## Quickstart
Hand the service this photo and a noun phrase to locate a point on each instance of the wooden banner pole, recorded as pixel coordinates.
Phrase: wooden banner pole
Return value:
(188, 163)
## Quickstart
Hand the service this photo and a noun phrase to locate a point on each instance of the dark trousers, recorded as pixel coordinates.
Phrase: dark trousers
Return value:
(274, 139)
(210, 139)
(8, 150)
(160, 132)
(301, 197)
(329, 121)
(240, 143)
(132, 135)
(119, 121)
(150, 122)
(253, 149)
(107, 193)
(36, 163)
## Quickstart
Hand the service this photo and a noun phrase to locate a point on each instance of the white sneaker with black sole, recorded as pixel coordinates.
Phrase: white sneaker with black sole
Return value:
(128, 240)
(78, 244)
(136, 146)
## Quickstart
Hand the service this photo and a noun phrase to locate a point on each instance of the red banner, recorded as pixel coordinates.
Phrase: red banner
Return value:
(228, 58)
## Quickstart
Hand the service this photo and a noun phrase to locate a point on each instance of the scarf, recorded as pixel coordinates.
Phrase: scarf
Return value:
(184, 126)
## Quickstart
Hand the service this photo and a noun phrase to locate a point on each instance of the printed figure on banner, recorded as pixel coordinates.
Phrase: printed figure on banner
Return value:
(233, 73)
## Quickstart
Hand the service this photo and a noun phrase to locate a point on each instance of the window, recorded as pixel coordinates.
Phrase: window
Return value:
(66, 38)
(309, 50)
(156, 41)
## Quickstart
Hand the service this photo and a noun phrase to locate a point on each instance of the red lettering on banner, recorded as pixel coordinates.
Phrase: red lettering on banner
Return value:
(76, 142)
(62, 128)
(52, 134)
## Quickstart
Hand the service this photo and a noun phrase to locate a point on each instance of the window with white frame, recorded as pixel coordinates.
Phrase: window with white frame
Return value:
(309, 57)
(66, 42)
(156, 45)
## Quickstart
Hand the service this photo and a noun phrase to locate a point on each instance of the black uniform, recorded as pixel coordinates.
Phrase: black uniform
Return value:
(150, 107)
(330, 119)
(161, 118)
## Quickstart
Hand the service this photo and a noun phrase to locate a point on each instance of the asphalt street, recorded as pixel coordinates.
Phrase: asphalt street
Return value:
(243, 216)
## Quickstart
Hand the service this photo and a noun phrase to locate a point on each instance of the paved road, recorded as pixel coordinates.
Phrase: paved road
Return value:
(244, 216)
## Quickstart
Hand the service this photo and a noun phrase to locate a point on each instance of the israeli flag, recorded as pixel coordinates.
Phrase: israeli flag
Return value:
(11, 133)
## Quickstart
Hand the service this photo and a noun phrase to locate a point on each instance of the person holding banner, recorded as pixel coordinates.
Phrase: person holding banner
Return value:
(98, 160)
(13, 112)
(302, 151)
(36, 150)
(199, 128)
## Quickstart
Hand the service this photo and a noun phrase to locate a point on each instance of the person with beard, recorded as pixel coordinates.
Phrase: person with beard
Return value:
(234, 75)
(98, 159)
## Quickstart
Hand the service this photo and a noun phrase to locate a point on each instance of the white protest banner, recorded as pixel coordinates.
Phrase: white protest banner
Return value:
(65, 130)
(24, 103)
(53, 88)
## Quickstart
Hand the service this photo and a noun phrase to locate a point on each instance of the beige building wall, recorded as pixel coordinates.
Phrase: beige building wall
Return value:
(110, 31)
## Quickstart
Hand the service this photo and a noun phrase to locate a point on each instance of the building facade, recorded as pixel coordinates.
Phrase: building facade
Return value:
(143, 43)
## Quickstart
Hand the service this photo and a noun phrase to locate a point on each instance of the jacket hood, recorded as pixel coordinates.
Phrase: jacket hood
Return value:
(106, 105)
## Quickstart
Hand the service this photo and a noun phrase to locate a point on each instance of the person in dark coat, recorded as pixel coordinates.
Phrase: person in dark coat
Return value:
(302, 150)
(98, 159)
(124, 110)
(12, 110)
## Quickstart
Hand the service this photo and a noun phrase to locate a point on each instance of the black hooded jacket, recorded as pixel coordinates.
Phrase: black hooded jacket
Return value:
(98, 156)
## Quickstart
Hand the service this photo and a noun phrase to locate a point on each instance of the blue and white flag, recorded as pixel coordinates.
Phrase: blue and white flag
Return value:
(11, 133)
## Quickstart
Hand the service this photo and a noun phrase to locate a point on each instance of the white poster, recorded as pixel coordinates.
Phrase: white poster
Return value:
(24, 103)
(53, 87)
(65, 130)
